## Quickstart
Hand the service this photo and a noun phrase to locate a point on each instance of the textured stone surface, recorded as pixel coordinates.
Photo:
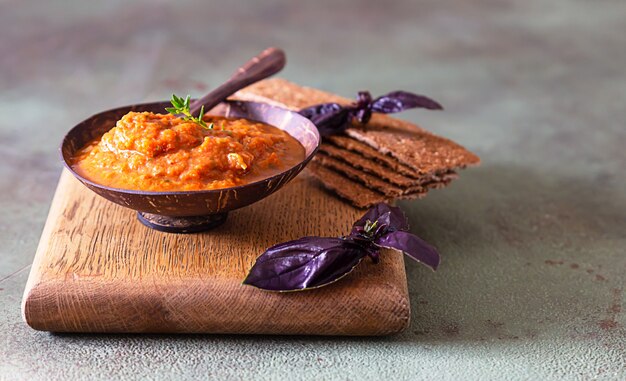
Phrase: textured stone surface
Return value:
(532, 281)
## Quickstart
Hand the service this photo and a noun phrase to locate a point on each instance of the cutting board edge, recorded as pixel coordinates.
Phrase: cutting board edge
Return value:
(34, 275)
(392, 316)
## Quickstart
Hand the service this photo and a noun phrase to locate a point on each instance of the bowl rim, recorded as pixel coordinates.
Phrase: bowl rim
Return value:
(302, 163)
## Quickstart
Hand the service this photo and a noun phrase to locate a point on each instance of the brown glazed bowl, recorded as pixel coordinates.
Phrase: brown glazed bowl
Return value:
(193, 211)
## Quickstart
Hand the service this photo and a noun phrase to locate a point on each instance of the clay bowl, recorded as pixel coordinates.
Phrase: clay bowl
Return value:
(193, 211)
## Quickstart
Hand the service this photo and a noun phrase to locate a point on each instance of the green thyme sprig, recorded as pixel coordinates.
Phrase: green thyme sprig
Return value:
(181, 107)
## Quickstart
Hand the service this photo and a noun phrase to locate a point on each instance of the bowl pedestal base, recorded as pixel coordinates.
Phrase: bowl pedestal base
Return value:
(193, 224)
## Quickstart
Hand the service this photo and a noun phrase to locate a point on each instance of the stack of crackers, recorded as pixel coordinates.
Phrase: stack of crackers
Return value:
(384, 160)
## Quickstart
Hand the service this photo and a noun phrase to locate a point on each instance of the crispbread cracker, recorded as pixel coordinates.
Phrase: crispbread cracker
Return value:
(375, 183)
(416, 148)
(367, 165)
(359, 195)
(410, 144)
(386, 159)
(371, 153)
(369, 180)
(378, 169)
(353, 191)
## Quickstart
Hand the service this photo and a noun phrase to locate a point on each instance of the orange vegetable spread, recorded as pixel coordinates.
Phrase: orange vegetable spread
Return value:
(155, 152)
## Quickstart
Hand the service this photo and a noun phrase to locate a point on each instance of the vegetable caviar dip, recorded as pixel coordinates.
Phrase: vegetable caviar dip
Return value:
(156, 152)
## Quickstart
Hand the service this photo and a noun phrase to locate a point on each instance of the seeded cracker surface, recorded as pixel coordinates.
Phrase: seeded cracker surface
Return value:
(385, 160)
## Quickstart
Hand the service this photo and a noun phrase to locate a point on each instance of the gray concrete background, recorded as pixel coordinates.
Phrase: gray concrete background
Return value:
(533, 242)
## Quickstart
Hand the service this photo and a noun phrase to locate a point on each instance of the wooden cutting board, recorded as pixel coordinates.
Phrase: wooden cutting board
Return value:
(97, 269)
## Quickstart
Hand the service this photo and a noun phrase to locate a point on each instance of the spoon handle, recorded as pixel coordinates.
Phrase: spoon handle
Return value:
(270, 61)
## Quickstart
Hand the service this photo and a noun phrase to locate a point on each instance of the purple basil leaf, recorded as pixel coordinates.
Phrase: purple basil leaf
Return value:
(305, 263)
(321, 109)
(401, 100)
(363, 99)
(330, 118)
(411, 245)
(390, 216)
(363, 115)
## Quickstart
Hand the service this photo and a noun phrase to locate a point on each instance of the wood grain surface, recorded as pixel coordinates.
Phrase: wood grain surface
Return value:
(97, 269)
